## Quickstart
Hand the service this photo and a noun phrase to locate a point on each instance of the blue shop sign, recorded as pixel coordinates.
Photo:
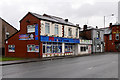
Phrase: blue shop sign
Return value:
(36, 32)
(58, 39)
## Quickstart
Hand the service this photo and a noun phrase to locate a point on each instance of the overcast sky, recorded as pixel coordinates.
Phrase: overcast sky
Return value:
(81, 12)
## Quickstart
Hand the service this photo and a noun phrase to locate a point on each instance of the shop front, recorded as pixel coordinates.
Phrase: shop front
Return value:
(85, 47)
(57, 46)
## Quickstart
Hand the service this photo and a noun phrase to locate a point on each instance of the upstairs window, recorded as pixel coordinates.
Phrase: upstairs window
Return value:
(117, 36)
(98, 34)
(47, 28)
(30, 28)
(56, 30)
(7, 35)
(76, 32)
(110, 37)
(70, 32)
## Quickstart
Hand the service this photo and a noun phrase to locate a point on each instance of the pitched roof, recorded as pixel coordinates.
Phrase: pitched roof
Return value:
(53, 19)
(8, 23)
(61, 20)
(107, 30)
(43, 17)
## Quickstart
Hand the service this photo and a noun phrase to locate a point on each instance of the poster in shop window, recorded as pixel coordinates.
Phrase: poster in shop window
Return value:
(37, 48)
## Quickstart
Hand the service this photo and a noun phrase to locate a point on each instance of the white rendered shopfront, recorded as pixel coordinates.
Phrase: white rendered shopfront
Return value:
(56, 46)
(85, 47)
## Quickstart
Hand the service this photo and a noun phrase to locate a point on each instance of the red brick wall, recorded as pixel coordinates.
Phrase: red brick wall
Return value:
(110, 44)
(86, 34)
(21, 45)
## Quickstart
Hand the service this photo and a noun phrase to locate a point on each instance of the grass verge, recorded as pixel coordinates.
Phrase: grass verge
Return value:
(10, 59)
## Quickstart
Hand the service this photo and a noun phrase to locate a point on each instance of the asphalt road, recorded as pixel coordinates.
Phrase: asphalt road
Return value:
(97, 66)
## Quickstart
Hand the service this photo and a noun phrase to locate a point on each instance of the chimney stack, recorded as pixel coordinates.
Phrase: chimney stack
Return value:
(97, 27)
(85, 27)
(110, 25)
(66, 20)
(77, 25)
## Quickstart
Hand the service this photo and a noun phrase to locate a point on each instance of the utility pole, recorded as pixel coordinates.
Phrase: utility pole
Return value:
(104, 21)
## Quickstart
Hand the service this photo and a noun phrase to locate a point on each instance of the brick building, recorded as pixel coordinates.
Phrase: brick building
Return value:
(94, 34)
(6, 30)
(43, 36)
(112, 38)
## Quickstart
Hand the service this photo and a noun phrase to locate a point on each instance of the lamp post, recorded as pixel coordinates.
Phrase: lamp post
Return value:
(105, 19)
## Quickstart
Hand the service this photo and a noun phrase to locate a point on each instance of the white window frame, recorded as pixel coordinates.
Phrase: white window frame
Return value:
(98, 34)
(76, 32)
(11, 47)
(30, 27)
(69, 31)
(110, 37)
(117, 35)
(48, 25)
(30, 45)
(56, 29)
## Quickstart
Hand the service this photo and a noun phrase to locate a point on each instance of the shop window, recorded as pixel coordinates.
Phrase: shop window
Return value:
(55, 49)
(30, 48)
(83, 48)
(47, 28)
(117, 36)
(30, 28)
(11, 48)
(70, 32)
(68, 48)
(49, 48)
(52, 48)
(59, 49)
(56, 29)
(110, 37)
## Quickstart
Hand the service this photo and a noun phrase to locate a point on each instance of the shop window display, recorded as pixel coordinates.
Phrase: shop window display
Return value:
(30, 48)
(84, 48)
(49, 48)
(68, 48)
(52, 47)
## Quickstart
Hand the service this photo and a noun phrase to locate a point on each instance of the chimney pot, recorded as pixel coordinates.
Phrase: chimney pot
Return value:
(85, 27)
(77, 25)
(97, 27)
(66, 20)
(110, 25)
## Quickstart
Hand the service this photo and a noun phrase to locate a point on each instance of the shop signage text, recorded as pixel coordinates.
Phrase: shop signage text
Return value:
(58, 39)
(85, 41)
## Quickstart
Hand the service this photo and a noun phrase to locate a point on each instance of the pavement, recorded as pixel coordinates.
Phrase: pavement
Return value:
(93, 66)
(4, 63)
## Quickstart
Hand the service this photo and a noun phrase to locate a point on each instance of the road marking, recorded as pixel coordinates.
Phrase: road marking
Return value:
(90, 68)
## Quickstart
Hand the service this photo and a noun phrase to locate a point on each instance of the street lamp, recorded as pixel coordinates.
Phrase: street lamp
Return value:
(105, 17)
